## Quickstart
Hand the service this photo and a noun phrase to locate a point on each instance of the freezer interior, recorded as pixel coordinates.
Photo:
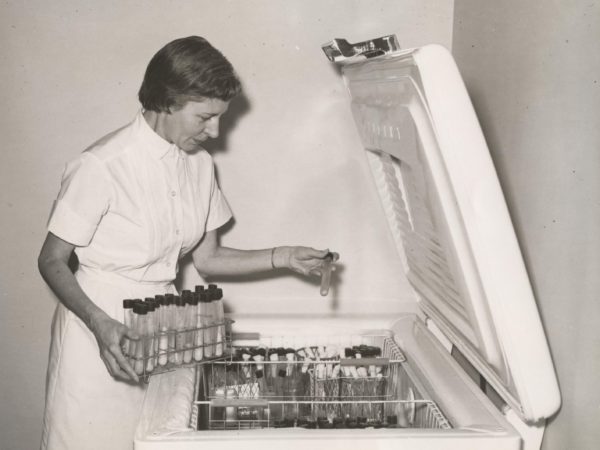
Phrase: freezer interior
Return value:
(354, 381)
(412, 390)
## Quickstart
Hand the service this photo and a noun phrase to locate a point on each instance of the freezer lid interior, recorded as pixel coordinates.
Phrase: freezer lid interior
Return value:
(449, 219)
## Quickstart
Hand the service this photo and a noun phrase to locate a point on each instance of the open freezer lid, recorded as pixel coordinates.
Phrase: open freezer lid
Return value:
(448, 216)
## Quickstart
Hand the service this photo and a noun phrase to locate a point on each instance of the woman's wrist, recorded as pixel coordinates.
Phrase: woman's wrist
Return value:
(95, 319)
(280, 257)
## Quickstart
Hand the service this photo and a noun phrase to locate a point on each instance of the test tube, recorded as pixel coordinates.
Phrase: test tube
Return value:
(276, 381)
(259, 356)
(132, 345)
(179, 329)
(291, 372)
(162, 329)
(230, 411)
(140, 311)
(170, 302)
(150, 354)
(246, 369)
(326, 269)
(171, 321)
(128, 311)
(199, 332)
(219, 321)
(127, 321)
(190, 322)
(208, 322)
(156, 332)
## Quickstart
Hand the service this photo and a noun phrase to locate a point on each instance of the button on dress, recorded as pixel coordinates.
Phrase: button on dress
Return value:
(133, 205)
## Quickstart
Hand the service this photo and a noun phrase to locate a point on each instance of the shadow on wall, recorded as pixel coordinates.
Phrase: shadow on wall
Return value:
(237, 108)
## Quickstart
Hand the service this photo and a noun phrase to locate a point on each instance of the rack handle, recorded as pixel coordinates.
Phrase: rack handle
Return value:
(248, 402)
(364, 361)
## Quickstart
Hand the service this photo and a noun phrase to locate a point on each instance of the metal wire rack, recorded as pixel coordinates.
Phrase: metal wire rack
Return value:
(164, 351)
(253, 389)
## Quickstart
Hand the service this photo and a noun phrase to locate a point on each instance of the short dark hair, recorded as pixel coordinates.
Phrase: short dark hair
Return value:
(187, 69)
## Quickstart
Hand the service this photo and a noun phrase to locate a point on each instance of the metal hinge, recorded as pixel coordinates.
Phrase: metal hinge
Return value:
(342, 52)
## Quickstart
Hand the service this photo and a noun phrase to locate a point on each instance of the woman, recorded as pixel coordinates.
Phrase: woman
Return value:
(129, 207)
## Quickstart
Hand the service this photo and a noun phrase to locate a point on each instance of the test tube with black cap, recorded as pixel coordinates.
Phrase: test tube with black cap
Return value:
(140, 311)
(190, 325)
(219, 312)
(127, 321)
(149, 344)
(162, 331)
(179, 329)
(207, 316)
(198, 332)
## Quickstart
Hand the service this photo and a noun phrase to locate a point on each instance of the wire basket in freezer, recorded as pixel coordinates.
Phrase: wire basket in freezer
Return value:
(313, 387)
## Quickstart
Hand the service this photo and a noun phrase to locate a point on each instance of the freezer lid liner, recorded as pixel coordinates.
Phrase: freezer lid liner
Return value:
(449, 219)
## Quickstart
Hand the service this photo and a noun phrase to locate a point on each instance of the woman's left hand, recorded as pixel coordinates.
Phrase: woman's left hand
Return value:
(303, 260)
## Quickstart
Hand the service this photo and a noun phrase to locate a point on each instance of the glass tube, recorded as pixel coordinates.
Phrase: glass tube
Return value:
(219, 321)
(171, 327)
(189, 325)
(140, 311)
(179, 328)
(199, 333)
(208, 322)
(149, 353)
(162, 336)
(127, 321)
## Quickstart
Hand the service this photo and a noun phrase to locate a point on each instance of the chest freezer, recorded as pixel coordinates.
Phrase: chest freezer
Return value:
(470, 370)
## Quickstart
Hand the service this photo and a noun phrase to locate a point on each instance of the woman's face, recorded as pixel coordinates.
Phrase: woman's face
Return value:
(193, 124)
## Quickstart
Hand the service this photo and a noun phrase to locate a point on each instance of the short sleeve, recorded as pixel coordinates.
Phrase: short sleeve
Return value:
(82, 201)
(219, 212)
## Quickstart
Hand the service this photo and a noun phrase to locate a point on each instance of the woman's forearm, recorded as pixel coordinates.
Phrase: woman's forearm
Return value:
(61, 280)
(231, 261)
(211, 259)
(108, 332)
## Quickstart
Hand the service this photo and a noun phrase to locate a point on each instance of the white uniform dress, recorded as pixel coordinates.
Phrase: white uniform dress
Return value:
(132, 204)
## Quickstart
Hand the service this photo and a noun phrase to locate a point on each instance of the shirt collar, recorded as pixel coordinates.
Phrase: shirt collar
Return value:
(156, 146)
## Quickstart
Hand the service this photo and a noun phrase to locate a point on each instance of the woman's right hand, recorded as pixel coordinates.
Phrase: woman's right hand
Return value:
(303, 260)
(109, 334)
